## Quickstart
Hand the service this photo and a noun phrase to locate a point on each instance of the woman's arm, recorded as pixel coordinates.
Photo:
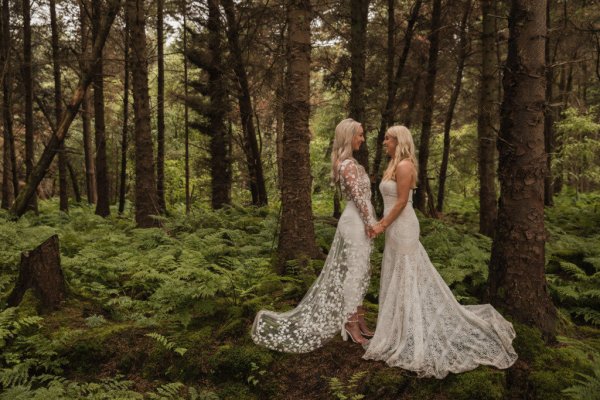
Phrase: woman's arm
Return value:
(404, 181)
(349, 182)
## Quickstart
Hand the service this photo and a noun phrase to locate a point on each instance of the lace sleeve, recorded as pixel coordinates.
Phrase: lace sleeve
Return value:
(350, 184)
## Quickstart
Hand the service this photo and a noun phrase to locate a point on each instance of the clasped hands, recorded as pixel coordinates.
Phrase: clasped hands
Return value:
(375, 230)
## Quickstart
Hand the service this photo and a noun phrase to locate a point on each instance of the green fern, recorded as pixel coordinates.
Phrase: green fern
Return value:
(587, 387)
(166, 343)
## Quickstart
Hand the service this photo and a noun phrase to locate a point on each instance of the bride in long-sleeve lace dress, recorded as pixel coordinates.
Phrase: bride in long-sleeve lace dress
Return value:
(333, 302)
(420, 326)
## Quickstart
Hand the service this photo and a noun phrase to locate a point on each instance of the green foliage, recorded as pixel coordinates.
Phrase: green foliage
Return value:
(346, 390)
(587, 387)
(480, 384)
(167, 344)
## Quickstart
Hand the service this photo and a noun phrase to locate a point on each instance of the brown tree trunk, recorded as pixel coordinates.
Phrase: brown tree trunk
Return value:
(74, 183)
(297, 234)
(26, 72)
(548, 117)
(359, 12)
(102, 185)
(516, 278)
(462, 56)
(160, 110)
(251, 148)
(40, 270)
(186, 121)
(146, 202)
(40, 169)
(421, 195)
(62, 158)
(10, 184)
(486, 133)
(125, 132)
(86, 109)
(393, 83)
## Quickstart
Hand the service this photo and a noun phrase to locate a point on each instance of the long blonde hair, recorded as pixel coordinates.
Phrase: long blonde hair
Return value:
(342, 144)
(405, 150)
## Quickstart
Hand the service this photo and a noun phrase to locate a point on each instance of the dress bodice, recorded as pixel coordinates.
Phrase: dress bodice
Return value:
(389, 192)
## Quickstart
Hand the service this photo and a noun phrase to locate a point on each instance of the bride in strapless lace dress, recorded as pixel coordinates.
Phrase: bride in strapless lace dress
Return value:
(421, 327)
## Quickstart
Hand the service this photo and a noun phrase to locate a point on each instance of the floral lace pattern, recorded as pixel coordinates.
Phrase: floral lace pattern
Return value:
(421, 327)
(339, 289)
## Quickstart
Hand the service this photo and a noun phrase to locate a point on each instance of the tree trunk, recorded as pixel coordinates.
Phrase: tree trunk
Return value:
(516, 278)
(125, 132)
(251, 148)
(10, 184)
(485, 124)
(160, 110)
(297, 234)
(40, 270)
(393, 83)
(26, 72)
(421, 195)
(146, 202)
(548, 117)
(74, 182)
(62, 158)
(86, 109)
(186, 121)
(40, 169)
(359, 12)
(102, 185)
(462, 56)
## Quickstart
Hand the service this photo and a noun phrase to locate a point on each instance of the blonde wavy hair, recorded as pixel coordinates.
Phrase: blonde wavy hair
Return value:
(405, 150)
(342, 144)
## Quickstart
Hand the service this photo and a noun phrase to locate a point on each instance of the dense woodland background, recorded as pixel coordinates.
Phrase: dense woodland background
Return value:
(181, 150)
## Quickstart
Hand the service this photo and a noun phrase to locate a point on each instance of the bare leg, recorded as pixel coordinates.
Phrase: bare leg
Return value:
(353, 330)
(362, 324)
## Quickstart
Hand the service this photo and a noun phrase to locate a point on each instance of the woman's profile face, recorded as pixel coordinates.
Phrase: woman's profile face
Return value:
(358, 138)
(390, 143)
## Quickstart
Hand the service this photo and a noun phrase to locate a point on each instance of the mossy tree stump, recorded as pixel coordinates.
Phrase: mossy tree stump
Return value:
(40, 270)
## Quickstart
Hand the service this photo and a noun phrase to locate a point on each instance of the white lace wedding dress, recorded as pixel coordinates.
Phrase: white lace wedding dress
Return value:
(421, 327)
(340, 287)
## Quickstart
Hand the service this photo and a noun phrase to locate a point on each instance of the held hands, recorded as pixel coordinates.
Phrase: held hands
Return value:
(375, 230)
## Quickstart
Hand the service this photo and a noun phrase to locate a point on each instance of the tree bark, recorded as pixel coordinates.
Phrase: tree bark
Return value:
(462, 56)
(74, 183)
(62, 158)
(26, 72)
(251, 148)
(86, 109)
(10, 184)
(516, 278)
(125, 131)
(160, 110)
(297, 235)
(186, 121)
(421, 197)
(146, 202)
(485, 124)
(39, 171)
(548, 117)
(359, 12)
(40, 270)
(102, 185)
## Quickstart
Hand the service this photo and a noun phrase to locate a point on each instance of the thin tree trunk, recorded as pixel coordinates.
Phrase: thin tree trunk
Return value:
(125, 132)
(251, 148)
(297, 234)
(186, 113)
(86, 109)
(359, 12)
(74, 183)
(485, 125)
(462, 56)
(160, 110)
(548, 117)
(146, 203)
(39, 171)
(102, 185)
(26, 72)
(516, 279)
(421, 195)
(62, 158)
(413, 100)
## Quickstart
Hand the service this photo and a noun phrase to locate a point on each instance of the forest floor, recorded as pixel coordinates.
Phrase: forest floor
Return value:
(166, 312)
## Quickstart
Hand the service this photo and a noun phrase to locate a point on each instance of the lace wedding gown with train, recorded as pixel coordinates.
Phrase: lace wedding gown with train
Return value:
(421, 327)
(341, 286)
